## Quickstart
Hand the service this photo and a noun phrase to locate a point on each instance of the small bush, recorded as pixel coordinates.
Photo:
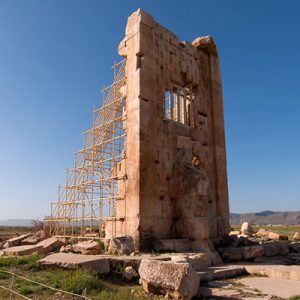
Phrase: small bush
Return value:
(32, 261)
(119, 268)
(25, 290)
(8, 261)
(101, 244)
(37, 225)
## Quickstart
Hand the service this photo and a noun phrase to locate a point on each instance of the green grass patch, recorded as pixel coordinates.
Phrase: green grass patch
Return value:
(75, 281)
(31, 261)
(296, 297)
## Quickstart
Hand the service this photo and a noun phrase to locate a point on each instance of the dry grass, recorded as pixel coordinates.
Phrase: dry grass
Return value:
(10, 231)
(288, 230)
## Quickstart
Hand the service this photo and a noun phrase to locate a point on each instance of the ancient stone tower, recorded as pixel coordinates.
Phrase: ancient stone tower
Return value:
(169, 179)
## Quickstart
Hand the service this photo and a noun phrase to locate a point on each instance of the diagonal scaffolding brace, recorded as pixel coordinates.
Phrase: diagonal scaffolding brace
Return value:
(88, 198)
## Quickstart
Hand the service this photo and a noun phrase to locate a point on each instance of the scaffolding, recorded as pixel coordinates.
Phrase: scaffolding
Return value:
(88, 198)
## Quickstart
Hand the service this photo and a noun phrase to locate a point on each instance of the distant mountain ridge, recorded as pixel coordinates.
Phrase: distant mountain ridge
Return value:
(267, 217)
(260, 218)
(16, 222)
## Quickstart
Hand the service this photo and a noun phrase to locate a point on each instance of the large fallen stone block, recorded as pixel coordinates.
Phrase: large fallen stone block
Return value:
(50, 244)
(34, 238)
(277, 236)
(283, 247)
(176, 280)
(23, 250)
(199, 261)
(174, 245)
(295, 247)
(96, 263)
(241, 253)
(262, 232)
(273, 248)
(16, 241)
(271, 235)
(221, 272)
(87, 248)
(275, 271)
(121, 245)
(253, 252)
(231, 253)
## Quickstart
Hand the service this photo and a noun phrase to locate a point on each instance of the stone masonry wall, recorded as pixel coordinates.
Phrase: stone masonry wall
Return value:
(175, 180)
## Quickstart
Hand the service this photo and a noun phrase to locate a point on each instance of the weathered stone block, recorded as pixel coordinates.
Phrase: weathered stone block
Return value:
(121, 245)
(277, 236)
(16, 241)
(23, 250)
(295, 247)
(253, 252)
(179, 281)
(87, 248)
(73, 261)
(50, 244)
(176, 245)
(273, 248)
(231, 253)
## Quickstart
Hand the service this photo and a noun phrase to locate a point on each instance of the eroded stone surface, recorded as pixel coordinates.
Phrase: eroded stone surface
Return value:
(96, 263)
(275, 287)
(221, 272)
(121, 245)
(274, 270)
(87, 247)
(129, 273)
(50, 244)
(23, 250)
(174, 245)
(176, 180)
(34, 238)
(273, 248)
(295, 247)
(179, 281)
(15, 241)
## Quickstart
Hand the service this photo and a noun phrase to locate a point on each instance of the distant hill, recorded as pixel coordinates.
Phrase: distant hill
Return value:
(16, 222)
(267, 217)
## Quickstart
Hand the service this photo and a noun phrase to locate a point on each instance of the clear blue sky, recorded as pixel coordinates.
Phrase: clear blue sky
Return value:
(56, 55)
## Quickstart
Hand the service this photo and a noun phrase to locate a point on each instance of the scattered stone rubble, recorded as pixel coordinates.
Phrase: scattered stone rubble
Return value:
(250, 245)
(174, 275)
